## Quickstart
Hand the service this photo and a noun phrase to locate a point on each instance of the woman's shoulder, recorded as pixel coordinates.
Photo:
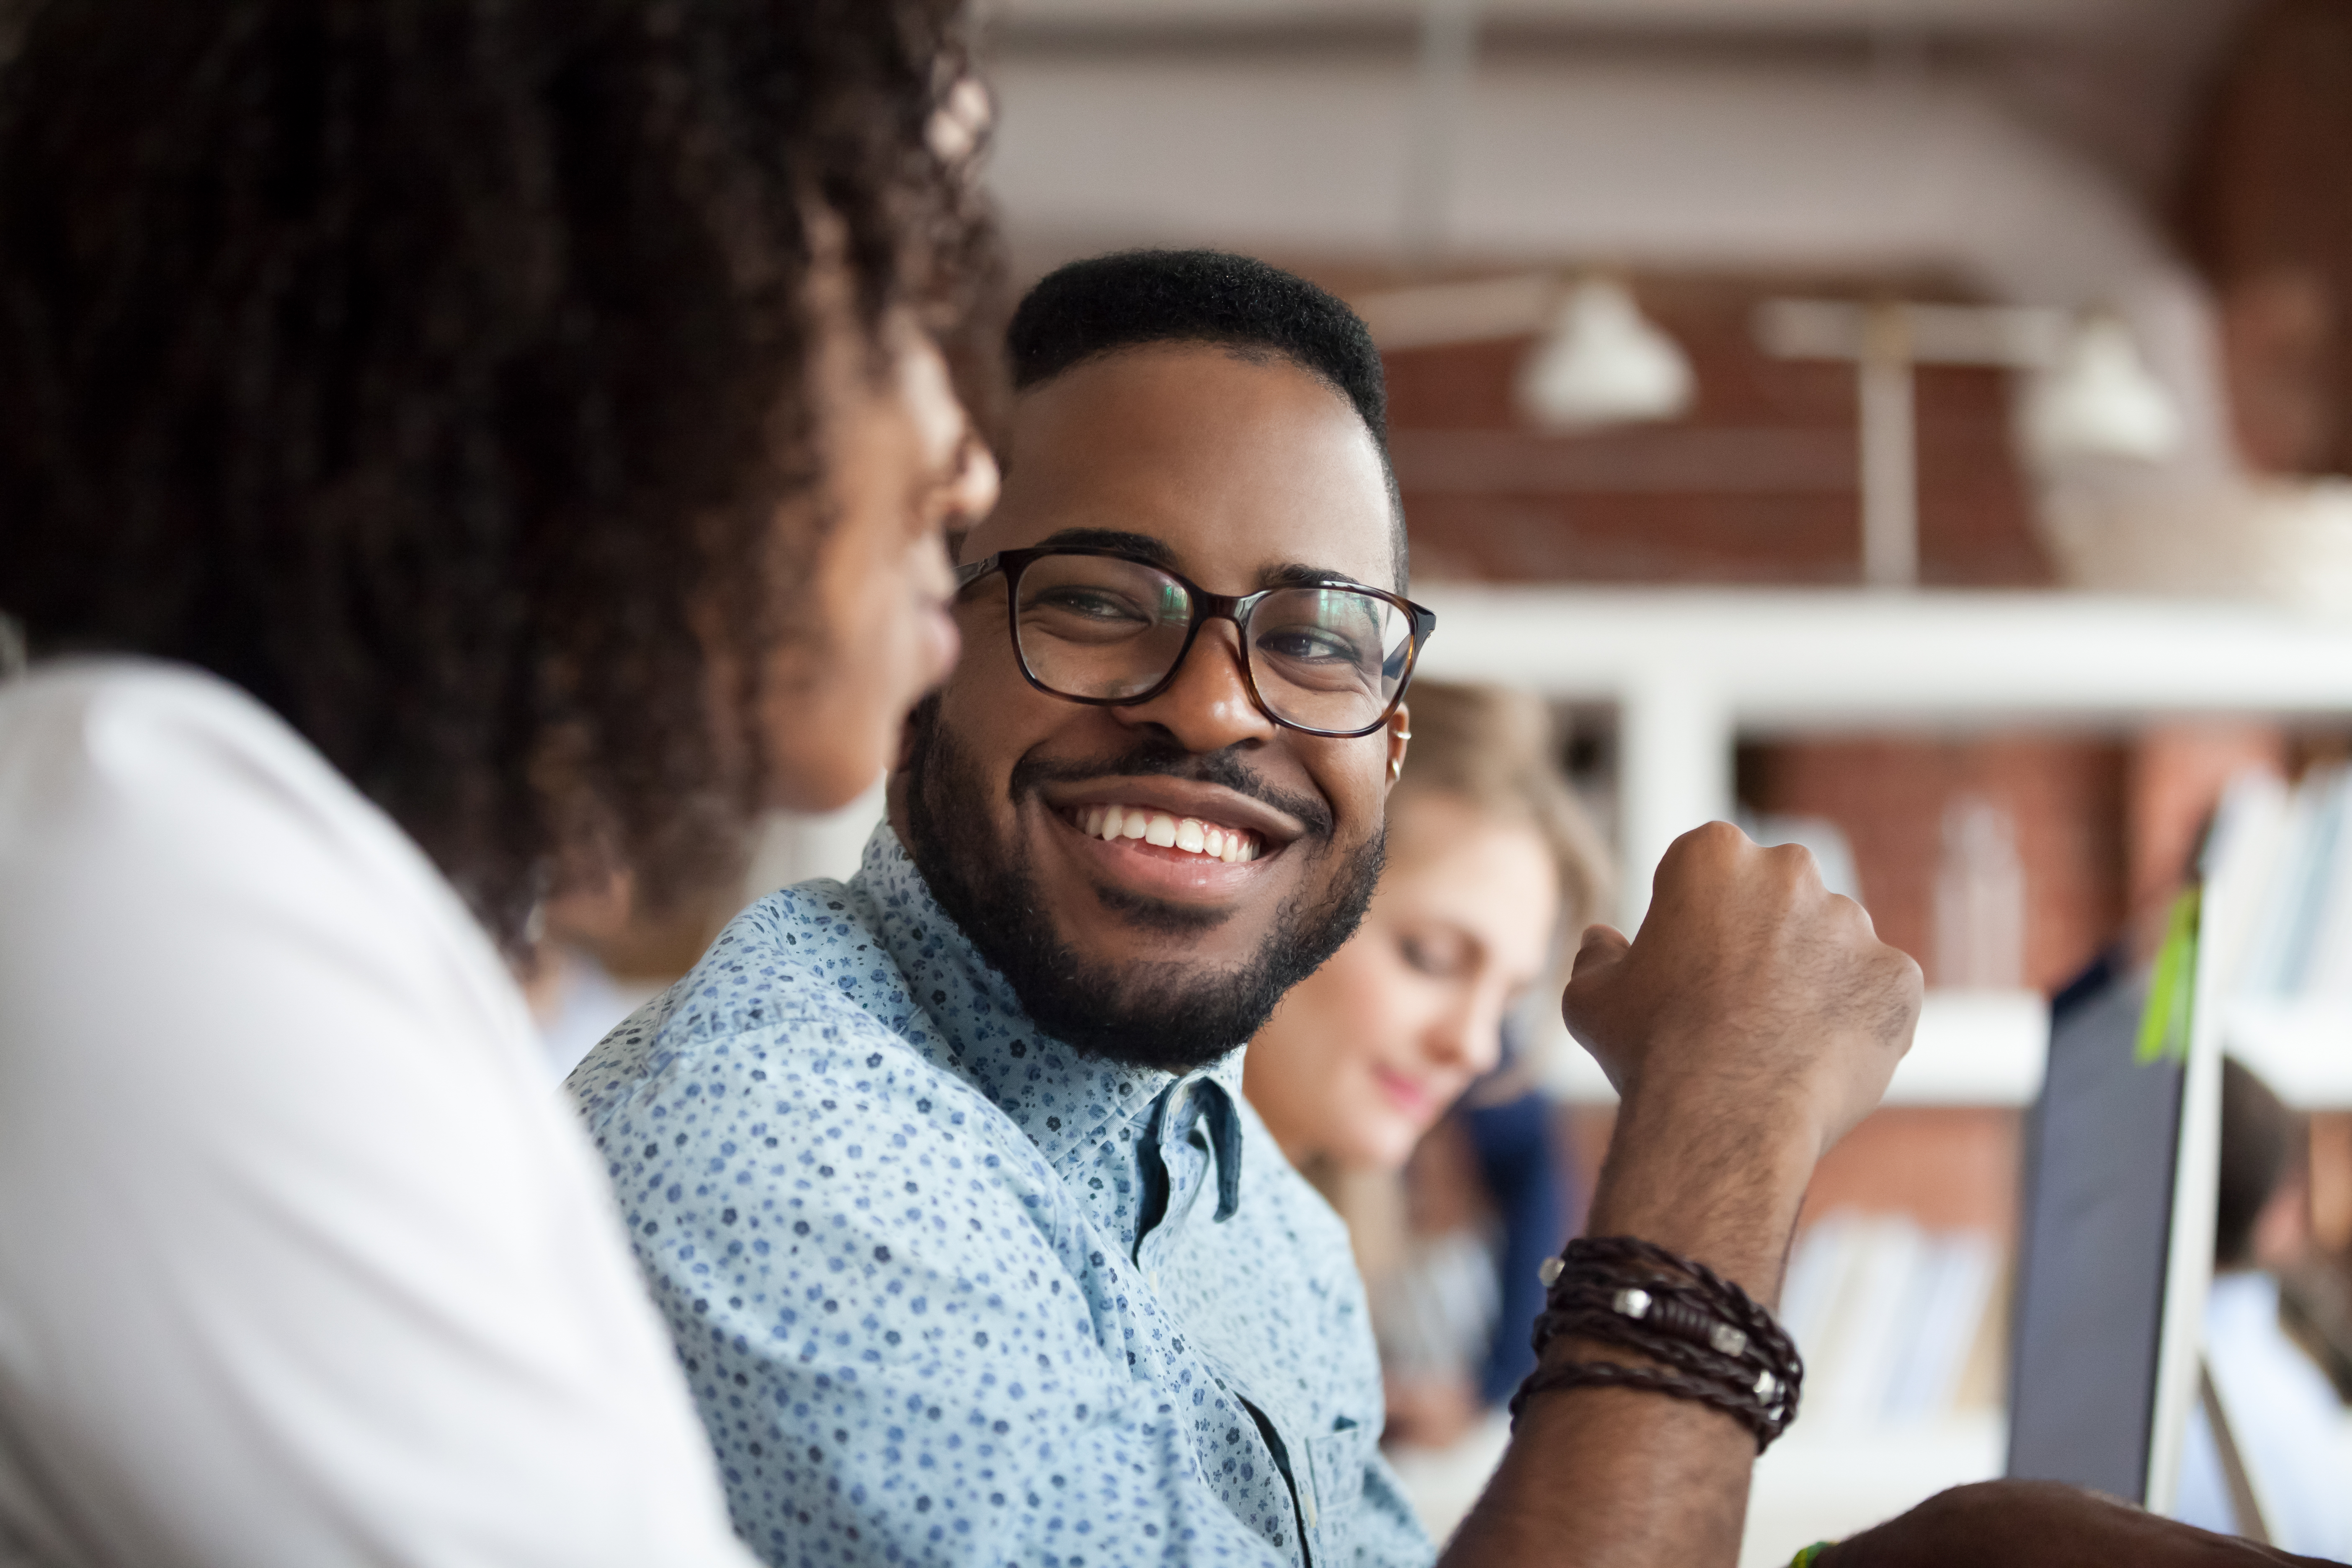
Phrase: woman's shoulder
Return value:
(142, 802)
(111, 750)
(95, 746)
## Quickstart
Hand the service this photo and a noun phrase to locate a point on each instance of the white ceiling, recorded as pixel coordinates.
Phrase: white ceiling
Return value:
(1701, 165)
(1722, 158)
(1744, 16)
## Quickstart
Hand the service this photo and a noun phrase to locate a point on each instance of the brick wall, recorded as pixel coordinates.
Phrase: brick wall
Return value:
(2064, 793)
(1757, 484)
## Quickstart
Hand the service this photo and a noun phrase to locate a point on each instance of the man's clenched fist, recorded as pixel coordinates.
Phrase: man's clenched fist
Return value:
(1750, 992)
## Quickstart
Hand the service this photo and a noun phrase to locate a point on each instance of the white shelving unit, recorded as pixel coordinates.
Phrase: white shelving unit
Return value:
(2302, 1048)
(1690, 671)
(1973, 1047)
(1814, 1486)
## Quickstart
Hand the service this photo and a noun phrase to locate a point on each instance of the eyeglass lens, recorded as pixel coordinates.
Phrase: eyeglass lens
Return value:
(1100, 627)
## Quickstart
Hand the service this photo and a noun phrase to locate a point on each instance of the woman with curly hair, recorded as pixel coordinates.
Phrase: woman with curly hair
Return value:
(451, 452)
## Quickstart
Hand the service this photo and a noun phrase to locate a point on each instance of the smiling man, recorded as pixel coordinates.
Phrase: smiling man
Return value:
(942, 1177)
(1154, 847)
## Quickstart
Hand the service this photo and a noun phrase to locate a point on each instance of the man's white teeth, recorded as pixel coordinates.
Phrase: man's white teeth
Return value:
(1112, 823)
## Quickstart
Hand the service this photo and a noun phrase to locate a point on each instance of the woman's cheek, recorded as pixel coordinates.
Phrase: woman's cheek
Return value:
(936, 643)
(1377, 981)
(1329, 1059)
(1386, 1136)
(894, 648)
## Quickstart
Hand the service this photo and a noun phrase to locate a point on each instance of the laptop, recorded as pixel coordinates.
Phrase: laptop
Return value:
(2122, 1154)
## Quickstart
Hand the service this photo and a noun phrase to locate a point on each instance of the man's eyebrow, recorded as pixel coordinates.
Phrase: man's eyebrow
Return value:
(1293, 574)
(1154, 552)
(1141, 546)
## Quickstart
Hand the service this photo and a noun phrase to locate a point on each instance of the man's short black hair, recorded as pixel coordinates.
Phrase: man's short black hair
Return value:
(1130, 298)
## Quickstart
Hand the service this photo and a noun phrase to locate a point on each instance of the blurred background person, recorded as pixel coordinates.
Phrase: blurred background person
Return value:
(1367, 1061)
(453, 455)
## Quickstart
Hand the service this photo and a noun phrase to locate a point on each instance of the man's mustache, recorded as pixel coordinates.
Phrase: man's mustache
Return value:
(1166, 759)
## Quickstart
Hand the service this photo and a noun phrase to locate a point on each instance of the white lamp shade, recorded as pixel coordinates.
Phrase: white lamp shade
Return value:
(1601, 364)
(2100, 400)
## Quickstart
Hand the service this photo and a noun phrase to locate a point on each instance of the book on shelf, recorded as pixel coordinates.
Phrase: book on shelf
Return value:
(2282, 940)
(1888, 1315)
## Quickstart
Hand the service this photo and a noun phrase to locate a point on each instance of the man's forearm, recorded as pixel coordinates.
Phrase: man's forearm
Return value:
(1622, 1476)
(1754, 1018)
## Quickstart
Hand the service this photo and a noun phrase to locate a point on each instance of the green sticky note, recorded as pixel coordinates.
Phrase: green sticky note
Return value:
(2164, 1025)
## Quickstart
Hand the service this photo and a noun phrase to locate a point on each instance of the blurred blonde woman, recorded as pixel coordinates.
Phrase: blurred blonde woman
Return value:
(1490, 858)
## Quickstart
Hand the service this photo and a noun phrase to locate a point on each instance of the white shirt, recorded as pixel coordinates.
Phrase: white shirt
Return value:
(303, 1261)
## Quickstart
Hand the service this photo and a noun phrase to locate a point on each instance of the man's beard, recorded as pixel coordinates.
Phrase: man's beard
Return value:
(1148, 1014)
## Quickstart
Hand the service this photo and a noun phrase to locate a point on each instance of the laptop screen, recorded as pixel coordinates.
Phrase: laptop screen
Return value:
(2101, 1147)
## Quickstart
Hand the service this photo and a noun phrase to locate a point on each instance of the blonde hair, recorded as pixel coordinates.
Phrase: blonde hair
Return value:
(1496, 751)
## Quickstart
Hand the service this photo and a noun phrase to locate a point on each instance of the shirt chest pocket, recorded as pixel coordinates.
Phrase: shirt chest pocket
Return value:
(1328, 1503)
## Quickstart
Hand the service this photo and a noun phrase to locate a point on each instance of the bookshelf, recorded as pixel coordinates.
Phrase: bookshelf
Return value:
(1810, 1486)
(2301, 1047)
(1814, 1486)
(1693, 672)
(1973, 1047)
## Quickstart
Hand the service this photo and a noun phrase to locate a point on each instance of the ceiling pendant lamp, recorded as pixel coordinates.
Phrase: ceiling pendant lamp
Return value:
(1602, 362)
(2099, 399)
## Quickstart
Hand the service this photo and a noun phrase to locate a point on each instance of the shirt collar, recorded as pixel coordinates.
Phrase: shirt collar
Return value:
(1065, 1101)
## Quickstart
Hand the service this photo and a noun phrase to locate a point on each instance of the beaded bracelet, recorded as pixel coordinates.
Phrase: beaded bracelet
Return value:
(1712, 1342)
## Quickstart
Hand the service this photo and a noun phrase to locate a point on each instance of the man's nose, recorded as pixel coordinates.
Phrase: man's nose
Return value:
(1207, 707)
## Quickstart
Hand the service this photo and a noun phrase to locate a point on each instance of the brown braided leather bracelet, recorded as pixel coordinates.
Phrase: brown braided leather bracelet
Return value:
(1712, 1341)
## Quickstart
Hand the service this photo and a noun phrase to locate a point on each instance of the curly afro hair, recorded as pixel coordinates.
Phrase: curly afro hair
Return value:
(437, 371)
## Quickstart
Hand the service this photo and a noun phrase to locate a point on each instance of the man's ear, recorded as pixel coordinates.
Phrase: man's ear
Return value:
(1400, 734)
(894, 782)
(905, 749)
(901, 776)
(894, 801)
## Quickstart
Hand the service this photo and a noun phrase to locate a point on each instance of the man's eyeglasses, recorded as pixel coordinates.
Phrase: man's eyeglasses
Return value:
(1097, 627)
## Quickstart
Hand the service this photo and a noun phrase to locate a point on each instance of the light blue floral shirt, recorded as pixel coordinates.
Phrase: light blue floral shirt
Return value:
(949, 1292)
